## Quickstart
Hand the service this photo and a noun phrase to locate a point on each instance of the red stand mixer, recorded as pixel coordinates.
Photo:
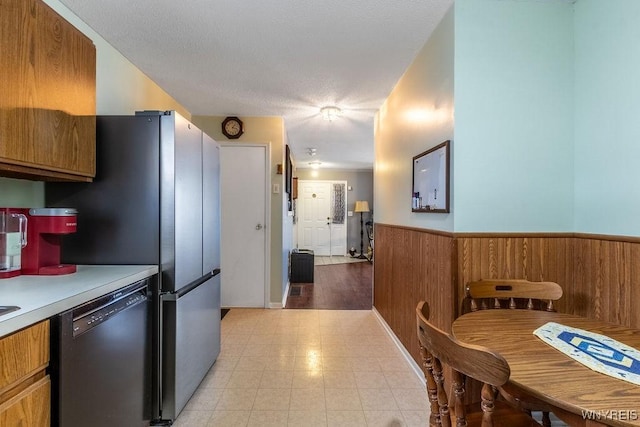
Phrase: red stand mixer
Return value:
(41, 256)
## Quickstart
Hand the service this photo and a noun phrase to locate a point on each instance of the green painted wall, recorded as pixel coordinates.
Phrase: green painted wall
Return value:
(513, 143)
(607, 117)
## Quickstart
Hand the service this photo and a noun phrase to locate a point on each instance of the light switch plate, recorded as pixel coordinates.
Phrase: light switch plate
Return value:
(276, 188)
(349, 213)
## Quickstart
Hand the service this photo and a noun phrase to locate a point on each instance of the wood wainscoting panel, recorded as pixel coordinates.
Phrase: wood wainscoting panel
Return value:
(599, 275)
(530, 257)
(607, 280)
(413, 265)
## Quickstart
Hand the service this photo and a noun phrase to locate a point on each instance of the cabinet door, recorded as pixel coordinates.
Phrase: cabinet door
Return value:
(47, 94)
(23, 354)
(32, 407)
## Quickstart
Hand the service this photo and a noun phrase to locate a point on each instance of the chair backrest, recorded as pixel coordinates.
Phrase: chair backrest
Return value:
(535, 294)
(438, 347)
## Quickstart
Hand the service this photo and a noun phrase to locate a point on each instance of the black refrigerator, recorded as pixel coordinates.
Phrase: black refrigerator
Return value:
(156, 200)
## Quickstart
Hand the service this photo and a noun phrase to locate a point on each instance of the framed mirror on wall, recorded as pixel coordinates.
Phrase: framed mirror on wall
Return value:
(430, 191)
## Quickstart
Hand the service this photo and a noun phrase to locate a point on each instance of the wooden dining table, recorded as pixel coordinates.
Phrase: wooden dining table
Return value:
(583, 396)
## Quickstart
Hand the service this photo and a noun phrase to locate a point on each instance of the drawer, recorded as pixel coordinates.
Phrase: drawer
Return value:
(23, 354)
(31, 407)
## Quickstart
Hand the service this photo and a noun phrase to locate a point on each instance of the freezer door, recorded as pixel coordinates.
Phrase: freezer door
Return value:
(181, 149)
(191, 343)
(210, 204)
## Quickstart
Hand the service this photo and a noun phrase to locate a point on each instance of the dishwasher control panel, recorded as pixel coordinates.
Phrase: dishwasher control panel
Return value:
(102, 314)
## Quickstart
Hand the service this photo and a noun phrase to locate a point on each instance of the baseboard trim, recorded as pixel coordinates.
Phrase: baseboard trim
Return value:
(414, 366)
(285, 294)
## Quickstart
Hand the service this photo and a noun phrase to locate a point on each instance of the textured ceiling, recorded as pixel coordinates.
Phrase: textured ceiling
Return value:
(275, 58)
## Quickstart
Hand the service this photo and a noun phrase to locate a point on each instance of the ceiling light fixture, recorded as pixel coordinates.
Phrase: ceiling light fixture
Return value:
(312, 151)
(314, 164)
(330, 113)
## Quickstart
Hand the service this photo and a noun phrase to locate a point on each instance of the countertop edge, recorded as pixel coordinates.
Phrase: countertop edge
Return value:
(28, 318)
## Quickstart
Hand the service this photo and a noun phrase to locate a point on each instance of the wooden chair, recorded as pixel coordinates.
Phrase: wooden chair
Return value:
(519, 294)
(437, 348)
(513, 294)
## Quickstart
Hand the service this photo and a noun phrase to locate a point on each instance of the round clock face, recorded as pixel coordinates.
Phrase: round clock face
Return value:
(232, 127)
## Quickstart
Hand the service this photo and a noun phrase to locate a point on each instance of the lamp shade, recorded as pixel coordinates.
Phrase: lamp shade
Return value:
(362, 206)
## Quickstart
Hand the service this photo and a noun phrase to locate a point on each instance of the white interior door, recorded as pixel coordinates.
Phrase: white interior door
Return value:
(244, 257)
(316, 230)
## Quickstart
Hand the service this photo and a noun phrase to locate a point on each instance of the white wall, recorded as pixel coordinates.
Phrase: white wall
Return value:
(417, 115)
(513, 144)
(607, 117)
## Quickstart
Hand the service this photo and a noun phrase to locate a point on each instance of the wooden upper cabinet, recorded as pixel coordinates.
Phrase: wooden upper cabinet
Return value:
(47, 95)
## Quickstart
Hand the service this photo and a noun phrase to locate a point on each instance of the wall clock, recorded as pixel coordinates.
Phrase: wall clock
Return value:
(232, 127)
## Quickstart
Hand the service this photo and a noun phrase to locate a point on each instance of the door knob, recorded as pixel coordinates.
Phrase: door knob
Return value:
(259, 227)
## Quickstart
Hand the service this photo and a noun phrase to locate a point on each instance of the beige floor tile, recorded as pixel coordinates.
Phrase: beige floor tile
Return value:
(224, 364)
(272, 399)
(364, 364)
(308, 379)
(411, 399)
(308, 362)
(307, 368)
(204, 399)
(370, 379)
(342, 399)
(377, 399)
(237, 399)
(257, 350)
(416, 418)
(250, 363)
(346, 419)
(216, 379)
(384, 419)
(339, 379)
(392, 363)
(279, 363)
(307, 399)
(193, 418)
(260, 338)
(268, 418)
(232, 350)
(229, 419)
(277, 379)
(402, 379)
(307, 419)
(244, 379)
(336, 363)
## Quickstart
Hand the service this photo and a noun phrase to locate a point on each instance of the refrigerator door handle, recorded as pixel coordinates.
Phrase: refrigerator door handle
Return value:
(173, 296)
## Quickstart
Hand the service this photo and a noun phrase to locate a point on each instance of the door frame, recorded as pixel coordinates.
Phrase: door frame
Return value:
(267, 211)
(346, 211)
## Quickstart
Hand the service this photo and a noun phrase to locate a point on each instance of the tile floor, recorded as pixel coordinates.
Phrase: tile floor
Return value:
(307, 368)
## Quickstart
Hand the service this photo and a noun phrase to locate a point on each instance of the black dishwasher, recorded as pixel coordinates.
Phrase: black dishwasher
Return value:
(101, 361)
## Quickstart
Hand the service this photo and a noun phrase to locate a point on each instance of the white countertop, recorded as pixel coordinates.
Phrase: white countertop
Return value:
(40, 297)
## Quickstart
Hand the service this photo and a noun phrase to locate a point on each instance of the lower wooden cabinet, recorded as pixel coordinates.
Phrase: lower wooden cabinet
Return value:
(31, 407)
(25, 388)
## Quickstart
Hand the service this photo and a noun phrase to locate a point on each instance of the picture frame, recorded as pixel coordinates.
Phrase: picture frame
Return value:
(288, 170)
(431, 180)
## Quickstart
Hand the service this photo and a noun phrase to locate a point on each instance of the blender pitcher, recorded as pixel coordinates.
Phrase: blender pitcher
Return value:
(13, 237)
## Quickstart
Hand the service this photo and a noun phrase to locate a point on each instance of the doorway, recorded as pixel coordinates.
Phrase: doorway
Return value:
(322, 213)
(245, 184)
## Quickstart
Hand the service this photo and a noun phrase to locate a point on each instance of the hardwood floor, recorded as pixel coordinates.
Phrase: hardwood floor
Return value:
(335, 287)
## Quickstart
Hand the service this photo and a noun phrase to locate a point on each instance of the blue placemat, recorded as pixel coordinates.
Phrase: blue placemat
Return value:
(598, 352)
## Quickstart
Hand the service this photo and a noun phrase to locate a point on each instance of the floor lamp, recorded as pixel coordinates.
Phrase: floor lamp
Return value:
(361, 206)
